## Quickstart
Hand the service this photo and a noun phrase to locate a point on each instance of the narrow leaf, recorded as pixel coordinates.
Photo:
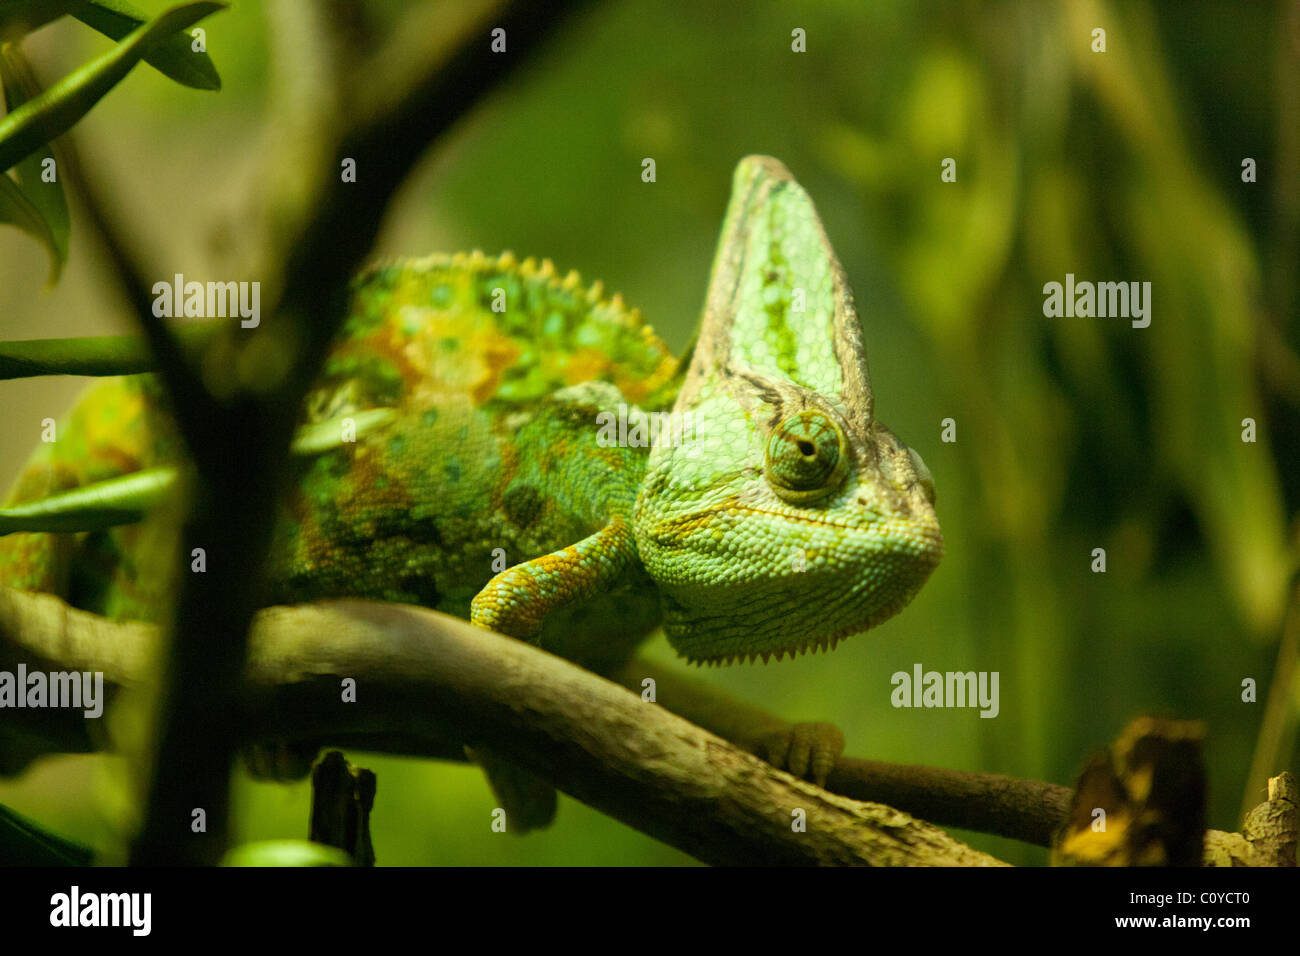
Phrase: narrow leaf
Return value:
(58, 108)
(173, 57)
(325, 436)
(97, 355)
(17, 209)
(46, 197)
(104, 504)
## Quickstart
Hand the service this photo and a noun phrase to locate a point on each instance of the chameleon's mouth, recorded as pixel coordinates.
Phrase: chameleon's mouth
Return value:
(813, 613)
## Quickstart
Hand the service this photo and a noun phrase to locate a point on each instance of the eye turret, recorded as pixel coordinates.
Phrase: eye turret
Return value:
(806, 458)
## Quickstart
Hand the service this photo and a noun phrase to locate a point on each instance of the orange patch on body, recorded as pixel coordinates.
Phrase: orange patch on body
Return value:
(585, 365)
(497, 353)
(474, 367)
(637, 389)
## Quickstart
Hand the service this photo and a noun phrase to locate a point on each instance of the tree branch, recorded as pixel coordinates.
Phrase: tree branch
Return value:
(412, 718)
(1026, 810)
(425, 675)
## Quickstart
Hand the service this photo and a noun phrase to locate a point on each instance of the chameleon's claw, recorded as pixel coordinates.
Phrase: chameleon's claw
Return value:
(807, 750)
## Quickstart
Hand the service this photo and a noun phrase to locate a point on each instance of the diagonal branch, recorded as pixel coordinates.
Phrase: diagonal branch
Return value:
(1026, 810)
(428, 684)
(430, 676)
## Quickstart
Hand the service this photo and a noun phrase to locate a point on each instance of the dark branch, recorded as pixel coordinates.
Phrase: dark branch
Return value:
(424, 675)
(1026, 810)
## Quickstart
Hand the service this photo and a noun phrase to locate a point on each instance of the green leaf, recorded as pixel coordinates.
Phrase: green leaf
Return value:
(286, 853)
(46, 198)
(174, 57)
(17, 209)
(93, 507)
(24, 843)
(320, 437)
(53, 112)
(95, 355)
(20, 17)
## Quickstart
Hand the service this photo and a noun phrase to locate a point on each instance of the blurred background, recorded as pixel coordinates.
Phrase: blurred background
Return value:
(1071, 433)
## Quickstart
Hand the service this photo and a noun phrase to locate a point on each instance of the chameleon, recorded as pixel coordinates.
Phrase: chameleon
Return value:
(777, 515)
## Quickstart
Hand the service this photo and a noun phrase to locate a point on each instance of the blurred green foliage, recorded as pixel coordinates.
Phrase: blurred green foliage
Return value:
(32, 197)
(1072, 434)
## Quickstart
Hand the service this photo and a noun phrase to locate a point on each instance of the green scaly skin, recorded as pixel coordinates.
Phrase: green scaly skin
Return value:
(787, 520)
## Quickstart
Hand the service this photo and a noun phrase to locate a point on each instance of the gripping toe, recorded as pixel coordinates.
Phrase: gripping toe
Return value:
(807, 750)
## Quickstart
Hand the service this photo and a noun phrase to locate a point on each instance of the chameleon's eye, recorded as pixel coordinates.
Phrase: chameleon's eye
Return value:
(806, 458)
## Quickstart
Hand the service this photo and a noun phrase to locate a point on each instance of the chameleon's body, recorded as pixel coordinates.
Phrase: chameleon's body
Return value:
(491, 459)
(786, 518)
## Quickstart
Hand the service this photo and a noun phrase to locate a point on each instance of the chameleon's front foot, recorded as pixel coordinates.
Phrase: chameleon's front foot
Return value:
(517, 601)
(806, 750)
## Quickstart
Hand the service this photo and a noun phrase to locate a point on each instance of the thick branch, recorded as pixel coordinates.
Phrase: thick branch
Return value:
(1026, 810)
(44, 633)
(426, 675)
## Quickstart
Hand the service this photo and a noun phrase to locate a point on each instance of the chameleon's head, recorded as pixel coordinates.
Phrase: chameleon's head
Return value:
(779, 515)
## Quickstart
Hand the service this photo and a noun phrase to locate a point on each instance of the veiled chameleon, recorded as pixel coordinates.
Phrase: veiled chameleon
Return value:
(785, 517)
